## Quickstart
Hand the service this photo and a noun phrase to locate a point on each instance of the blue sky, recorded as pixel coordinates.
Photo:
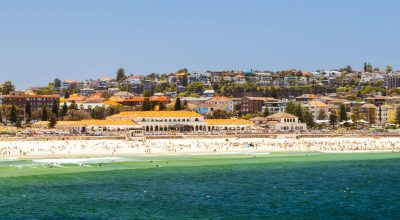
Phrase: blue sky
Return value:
(41, 40)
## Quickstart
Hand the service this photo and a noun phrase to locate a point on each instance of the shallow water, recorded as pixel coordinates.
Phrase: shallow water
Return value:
(291, 186)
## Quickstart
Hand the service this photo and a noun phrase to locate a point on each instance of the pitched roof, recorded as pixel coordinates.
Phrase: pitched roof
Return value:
(157, 114)
(387, 106)
(152, 99)
(368, 106)
(281, 115)
(220, 98)
(88, 122)
(317, 103)
(258, 119)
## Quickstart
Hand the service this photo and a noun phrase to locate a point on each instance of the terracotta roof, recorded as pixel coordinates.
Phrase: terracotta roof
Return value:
(111, 102)
(258, 119)
(105, 78)
(261, 98)
(317, 103)
(281, 115)
(87, 122)
(31, 96)
(157, 114)
(220, 98)
(368, 106)
(387, 106)
(152, 99)
(271, 123)
(228, 122)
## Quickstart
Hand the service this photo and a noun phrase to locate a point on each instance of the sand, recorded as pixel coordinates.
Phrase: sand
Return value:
(73, 148)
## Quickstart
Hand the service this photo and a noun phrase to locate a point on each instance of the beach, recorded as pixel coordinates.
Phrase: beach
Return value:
(194, 146)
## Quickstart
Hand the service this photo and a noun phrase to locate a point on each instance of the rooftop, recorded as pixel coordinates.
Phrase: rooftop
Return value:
(281, 115)
(88, 122)
(228, 122)
(157, 114)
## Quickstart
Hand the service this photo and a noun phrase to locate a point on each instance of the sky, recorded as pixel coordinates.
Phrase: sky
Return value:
(73, 39)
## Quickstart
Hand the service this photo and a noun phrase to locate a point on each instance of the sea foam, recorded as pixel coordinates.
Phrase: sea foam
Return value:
(78, 160)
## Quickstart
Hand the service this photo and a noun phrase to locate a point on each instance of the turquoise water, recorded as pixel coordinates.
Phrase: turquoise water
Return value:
(288, 187)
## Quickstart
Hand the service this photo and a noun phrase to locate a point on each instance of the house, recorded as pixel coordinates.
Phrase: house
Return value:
(316, 108)
(133, 80)
(86, 91)
(259, 121)
(369, 112)
(386, 114)
(20, 98)
(104, 82)
(67, 83)
(253, 104)
(138, 101)
(273, 106)
(305, 98)
(284, 122)
(223, 101)
(206, 108)
(208, 93)
(123, 95)
(379, 100)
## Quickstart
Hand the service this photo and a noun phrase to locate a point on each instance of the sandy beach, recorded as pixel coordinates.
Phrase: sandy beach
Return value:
(75, 148)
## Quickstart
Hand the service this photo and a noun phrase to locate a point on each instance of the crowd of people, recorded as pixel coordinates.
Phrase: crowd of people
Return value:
(26, 148)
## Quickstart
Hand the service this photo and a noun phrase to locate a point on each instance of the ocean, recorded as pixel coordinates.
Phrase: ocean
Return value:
(276, 186)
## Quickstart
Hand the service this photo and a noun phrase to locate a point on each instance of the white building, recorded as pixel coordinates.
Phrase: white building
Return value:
(284, 122)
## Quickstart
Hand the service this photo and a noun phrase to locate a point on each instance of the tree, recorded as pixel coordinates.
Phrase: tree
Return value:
(76, 115)
(398, 114)
(28, 112)
(342, 113)
(219, 114)
(266, 112)
(308, 118)
(99, 112)
(1, 114)
(274, 94)
(333, 118)
(369, 68)
(121, 75)
(321, 114)
(64, 110)
(195, 87)
(55, 108)
(389, 69)
(146, 105)
(162, 106)
(178, 104)
(13, 114)
(7, 87)
(45, 115)
(184, 80)
(66, 95)
(57, 83)
(18, 124)
(290, 107)
(73, 105)
(53, 120)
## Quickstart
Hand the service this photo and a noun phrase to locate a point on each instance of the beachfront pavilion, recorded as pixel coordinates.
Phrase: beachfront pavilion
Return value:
(181, 121)
(95, 126)
(164, 121)
(230, 125)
